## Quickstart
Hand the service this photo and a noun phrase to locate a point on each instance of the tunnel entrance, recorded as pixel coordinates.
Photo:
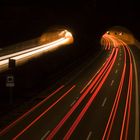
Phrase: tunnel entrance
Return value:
(122, 33)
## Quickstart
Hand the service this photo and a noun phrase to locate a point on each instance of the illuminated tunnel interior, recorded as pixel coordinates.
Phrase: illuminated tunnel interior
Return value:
(121, 33)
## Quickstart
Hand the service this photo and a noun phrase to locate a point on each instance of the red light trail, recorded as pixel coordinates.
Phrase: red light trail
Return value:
(84, 97)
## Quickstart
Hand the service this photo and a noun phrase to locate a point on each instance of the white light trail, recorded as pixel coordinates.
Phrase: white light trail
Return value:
(25, 54)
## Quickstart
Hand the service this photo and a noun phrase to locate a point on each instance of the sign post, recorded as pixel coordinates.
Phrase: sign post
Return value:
(10, 81)
(10, 84)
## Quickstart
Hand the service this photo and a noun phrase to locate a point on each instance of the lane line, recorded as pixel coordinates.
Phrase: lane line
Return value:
(77, 74)
(65, 118)
(45, 135)
(129, 106)
(129, 91)
(89, 135)
(112, 82)
(112, 115)
(77, 97)
(99, 80)
(136, 99)
(72, 103)
(99, 70)
(29, 111)
(126, 116)
(93, 77)
(86, 107)
(88, 83)
(116, 71)
(42, 114)
(105, 99)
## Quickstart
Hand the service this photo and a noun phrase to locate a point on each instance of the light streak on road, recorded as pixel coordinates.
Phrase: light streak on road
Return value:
(98, 73)
(105, 41)
(115, 105)
(79, 104)
(100, 79)
(137, 124)
(84, 110)
(43, 113)
(30, 110)
(61, 123)
(126, 115)
(21, 56)
(128, 100)
(42, 49)
(126, 118)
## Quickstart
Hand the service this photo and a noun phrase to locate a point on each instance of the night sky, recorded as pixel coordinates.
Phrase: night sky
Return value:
(24, 20)
(124, 12)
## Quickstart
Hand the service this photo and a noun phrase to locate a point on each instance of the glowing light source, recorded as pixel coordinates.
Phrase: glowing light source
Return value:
(120, 33)
(65, 38)
(108, 32)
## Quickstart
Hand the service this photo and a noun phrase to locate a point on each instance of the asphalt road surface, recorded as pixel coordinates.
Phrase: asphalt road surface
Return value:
(99, 101)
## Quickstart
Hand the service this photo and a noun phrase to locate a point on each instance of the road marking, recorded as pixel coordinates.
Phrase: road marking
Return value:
(112, 82)
(77, 97)
(87, 85)
(89, 81)
(45, 135)
(43, 113)
(77, 74)
(105, 99)
(137, 100)
(29, 111)
(116, 71)
(118, 64)
(89, 135)
(73, 103)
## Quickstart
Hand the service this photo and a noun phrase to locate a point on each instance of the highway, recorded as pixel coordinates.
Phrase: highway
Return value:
(64, 37)
(98, 101)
